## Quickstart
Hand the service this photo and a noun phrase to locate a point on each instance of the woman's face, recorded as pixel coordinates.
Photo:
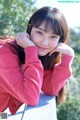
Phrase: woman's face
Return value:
(45, 41)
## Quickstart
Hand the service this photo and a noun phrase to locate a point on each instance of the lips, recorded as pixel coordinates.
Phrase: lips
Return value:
(41, 48)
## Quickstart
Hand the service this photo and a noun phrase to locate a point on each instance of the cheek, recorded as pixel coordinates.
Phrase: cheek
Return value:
(33, 38)
(53, 44)
(36, 39)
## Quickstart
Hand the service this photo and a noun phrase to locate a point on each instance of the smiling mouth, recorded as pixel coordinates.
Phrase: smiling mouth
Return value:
(42, 48)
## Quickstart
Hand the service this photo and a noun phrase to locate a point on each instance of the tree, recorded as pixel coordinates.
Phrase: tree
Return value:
(70, 110)
(75, 39)
(14, 15)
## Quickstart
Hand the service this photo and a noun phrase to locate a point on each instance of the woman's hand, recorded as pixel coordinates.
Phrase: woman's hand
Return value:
(63, 48)
(23, 40)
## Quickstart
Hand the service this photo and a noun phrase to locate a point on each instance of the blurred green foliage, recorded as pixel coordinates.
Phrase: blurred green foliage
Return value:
(75, 44)
(70, 110)
(14, 15)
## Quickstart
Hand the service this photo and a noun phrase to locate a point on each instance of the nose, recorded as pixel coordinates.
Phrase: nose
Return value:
(45, 41)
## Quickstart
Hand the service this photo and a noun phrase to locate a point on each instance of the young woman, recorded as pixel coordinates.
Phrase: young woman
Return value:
(38, 59)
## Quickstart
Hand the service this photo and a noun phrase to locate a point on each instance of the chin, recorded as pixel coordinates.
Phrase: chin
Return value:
(42, 54)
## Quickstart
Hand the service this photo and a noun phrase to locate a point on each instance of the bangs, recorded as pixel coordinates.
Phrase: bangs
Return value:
(50, 25)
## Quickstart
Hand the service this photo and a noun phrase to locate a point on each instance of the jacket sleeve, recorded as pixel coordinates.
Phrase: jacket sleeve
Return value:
(21, 81)
(55, 79)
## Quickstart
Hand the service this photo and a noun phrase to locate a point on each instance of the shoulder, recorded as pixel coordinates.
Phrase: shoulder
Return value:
(8, 54)
(8, 45)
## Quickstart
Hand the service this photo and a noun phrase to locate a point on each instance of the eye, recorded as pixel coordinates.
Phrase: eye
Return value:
(39, 32)
(53, 37)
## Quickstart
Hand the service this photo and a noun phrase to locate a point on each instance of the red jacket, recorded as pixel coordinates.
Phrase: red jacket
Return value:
(22, 83)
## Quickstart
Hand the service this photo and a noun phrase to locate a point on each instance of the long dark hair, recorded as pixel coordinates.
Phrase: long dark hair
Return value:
(55, 21)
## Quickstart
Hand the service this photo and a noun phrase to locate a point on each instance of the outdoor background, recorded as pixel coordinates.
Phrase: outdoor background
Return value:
(14, 15)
